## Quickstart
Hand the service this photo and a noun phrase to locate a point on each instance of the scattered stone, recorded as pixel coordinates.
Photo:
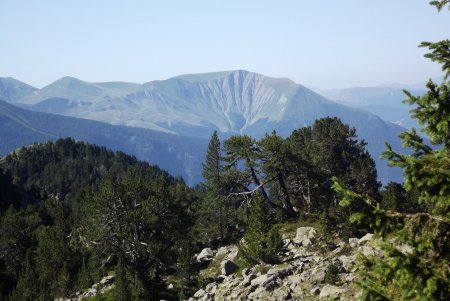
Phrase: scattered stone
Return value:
(315, 291)
(300, 276)
(338, 249)
(211, 288)
(205, 255)
(367, 251)
(331, 292)
(220, 278)
(348, 277)
(108, 280)
(228, 252)
(222, 251)
(274, 270)
(405, 249)
(281, 294)
(305, 236)
(353, 242)
(200, 293)
(228, 267)
(260, 293)
(259, 280)
(317, 259)
(90, 292)
(206, 297)
(317, 275)
(348, 263)
(366, 238)
(294, 280)
(246, 272)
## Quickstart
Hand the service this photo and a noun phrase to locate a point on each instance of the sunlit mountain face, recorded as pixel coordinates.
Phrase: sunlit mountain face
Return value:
(232, 102)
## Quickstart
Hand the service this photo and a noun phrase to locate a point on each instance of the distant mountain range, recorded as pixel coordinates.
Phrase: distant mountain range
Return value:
(232, 102)
(384, 101)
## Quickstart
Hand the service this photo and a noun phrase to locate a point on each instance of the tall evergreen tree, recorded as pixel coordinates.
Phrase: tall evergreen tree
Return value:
(261, 242)
(277, 159)
(305, 175)
(212, 166)
(415, 245)
(139, 219)
(214, 208)
(122, 291)
(27, 288)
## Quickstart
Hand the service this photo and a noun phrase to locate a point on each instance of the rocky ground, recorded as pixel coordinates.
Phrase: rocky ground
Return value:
(310, 269)
(106, 284)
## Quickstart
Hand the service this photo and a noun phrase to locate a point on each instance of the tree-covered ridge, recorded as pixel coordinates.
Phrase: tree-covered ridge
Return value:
(65, 166)
(180, 155)
(45, 249)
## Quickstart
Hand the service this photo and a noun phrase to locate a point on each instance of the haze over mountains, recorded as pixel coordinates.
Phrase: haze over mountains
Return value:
(384, 101)
(233, 102)
(178, 155)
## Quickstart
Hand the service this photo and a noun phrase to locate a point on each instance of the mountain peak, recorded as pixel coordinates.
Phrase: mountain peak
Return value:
(66, 80)
(11, 89)
(204, 77)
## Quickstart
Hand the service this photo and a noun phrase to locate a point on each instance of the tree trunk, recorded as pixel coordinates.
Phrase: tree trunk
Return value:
(289, 210)
(258, 183)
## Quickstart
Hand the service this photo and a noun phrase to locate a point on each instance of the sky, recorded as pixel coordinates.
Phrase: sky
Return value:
(324, 44)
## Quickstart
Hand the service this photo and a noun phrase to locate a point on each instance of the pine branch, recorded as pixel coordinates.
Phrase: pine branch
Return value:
(440, 4)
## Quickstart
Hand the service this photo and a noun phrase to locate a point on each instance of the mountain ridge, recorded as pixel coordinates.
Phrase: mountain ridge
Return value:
(231, 102)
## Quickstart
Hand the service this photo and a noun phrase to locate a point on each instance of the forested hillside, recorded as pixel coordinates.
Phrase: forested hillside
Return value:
(47, 200)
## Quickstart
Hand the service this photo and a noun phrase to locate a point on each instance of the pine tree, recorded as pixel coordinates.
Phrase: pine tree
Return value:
(415, 245)
(26, 288)
(186, 263)
(257, 227)
(214, 206)
(122, 290)
(277, 160)
(261, 241)
(212, 167)
(84, 277)
(137, 218)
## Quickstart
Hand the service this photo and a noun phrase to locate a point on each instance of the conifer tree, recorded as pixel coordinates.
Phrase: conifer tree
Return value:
(214, 206)
(415, 245)
(212, 166)
(122, 290)
(261, 241)
(136, 218)
(84, 277)
(277, 162)
(26, 288)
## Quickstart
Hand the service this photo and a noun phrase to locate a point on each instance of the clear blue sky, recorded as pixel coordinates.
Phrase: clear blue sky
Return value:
(326, 43)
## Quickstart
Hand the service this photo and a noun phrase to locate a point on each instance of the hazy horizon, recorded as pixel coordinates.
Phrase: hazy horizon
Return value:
(324, 45)
(412, 86)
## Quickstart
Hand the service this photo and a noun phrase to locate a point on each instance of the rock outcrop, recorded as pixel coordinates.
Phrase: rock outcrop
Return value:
(309, 270)
(101, 287)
